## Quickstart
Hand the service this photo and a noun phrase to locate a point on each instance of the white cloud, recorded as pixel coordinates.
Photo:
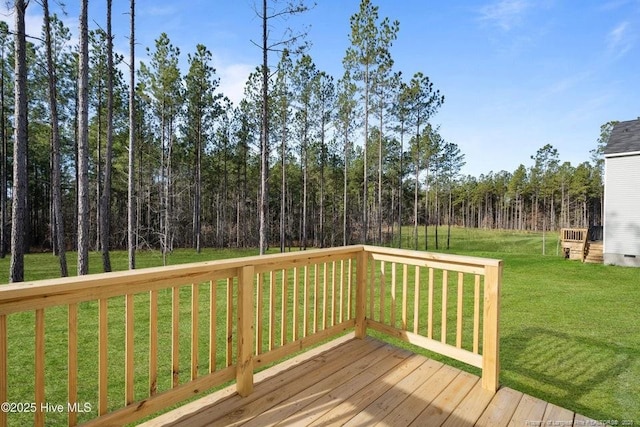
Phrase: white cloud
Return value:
(232, 79)
(505, 14)
(621, 39)
(32, 21)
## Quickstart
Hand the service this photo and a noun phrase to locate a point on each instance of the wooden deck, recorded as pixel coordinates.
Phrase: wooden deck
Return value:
(357, 382)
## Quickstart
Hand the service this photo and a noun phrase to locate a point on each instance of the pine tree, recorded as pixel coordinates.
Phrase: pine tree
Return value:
(131, 200)
(16, 267)
(367, 56)
(57, 221)
(165, 90)
(83, 143)
(202, 108)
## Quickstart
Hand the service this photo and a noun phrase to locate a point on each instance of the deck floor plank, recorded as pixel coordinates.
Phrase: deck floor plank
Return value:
(529, 412)
(329, 381)
(500, 409)
(384, 404)
(408, 410)
(299, 381)
(443, 406)
(471, 408)
(357, 402)
(236, 409)
(557, 416)
(367, 382)
(345, 392)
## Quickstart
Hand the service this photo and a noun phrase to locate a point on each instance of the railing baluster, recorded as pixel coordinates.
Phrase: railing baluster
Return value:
(325, 299)
(175, 336)
(129, 351)
(445, 300)
(333, 293)
(213, 347)
(382, 290)
(393, 294)
(459, 314)
(430, 306)
(195, 324)
(371, 285)
(341, 299)
(272, 309)
(305, 308)
(476, 314)
(4, 386)
(416, 300)
(295, 332)
(103, 355)
(350, 311)
(404, 297)
(283, 307)
(259, 314)
(230, 320)
(153, 343)
(39, 368)
(316, 290)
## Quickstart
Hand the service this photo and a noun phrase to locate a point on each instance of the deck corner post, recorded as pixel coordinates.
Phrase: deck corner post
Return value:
(361, 292)
(244, 367)
(491, 328)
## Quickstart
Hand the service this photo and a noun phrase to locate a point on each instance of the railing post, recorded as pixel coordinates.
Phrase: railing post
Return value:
(361, 292)
(491, 328)
(244, 366)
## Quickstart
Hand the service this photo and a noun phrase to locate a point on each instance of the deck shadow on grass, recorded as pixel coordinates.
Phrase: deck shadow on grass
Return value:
(564, 367)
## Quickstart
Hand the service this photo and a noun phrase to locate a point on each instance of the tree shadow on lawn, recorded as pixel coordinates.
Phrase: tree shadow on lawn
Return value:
(594, 378)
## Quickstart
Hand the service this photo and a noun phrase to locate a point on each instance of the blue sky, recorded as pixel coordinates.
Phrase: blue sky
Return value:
(516, 74)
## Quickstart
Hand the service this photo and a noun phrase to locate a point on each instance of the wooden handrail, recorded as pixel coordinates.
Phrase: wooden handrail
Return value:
(243, 314)
(576, 235)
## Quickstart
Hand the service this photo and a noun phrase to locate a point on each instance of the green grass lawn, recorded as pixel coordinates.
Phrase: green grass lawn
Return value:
(569, 331)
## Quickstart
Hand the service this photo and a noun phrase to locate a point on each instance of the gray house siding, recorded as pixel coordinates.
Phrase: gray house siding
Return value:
(622, 209)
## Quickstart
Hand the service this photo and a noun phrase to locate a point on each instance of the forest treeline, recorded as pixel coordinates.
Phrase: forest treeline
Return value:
(195, 175)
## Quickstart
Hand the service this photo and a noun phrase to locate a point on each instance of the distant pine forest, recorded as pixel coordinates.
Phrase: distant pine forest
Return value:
(199, 165)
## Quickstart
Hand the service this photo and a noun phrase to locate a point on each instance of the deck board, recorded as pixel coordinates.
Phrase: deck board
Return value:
(366, 382)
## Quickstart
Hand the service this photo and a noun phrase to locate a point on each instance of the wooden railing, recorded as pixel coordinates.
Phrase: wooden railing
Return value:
(113, 348)
(578, 237)
(575, 235)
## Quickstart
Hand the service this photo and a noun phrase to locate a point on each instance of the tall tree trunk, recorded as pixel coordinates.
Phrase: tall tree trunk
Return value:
(365, 172)
(449, 215)
(283, 183)
(3, 163)
(426, 207)
(380, 176)
(345, 198)
(322, 183)
(400, 192)
(415, 194)
(16, 268)
(57, 219)
(264, 136)
(105, 200)
(305, 179)
(83, 143)
(131, 202)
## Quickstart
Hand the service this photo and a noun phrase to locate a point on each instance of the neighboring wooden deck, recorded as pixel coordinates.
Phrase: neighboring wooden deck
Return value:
(578, 245)
(365, 382)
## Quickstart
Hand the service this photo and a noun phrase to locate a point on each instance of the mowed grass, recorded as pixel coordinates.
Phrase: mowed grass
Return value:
(569, 331)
